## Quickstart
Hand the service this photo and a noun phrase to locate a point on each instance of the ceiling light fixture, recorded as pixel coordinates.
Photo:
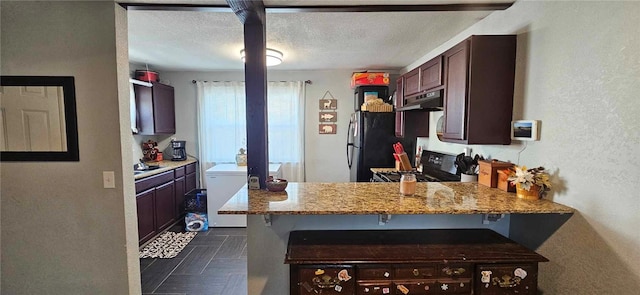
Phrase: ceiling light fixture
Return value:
(274, 57)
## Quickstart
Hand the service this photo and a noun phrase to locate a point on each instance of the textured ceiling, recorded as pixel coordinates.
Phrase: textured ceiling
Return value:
(209, 41)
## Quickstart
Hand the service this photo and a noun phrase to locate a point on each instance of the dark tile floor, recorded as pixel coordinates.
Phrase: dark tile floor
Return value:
(214, 263)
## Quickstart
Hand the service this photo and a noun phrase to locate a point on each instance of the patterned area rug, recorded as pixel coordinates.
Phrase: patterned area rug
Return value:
(167, 245)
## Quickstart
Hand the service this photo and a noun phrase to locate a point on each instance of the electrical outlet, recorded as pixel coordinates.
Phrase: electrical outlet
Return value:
(109, 179)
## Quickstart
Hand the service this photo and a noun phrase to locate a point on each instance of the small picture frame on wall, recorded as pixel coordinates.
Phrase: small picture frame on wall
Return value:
(525, 130)
(328, 104)
(327, 117)
(327, 128)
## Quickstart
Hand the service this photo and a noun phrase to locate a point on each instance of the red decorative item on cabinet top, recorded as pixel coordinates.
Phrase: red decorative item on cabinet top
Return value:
(146, 75)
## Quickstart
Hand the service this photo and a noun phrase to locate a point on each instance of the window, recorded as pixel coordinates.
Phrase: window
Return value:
(222, 124)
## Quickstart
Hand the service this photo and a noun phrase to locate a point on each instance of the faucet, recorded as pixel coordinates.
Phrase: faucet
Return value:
(140, 166)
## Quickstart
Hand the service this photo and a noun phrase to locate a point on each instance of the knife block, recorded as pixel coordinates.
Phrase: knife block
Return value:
(403, 164)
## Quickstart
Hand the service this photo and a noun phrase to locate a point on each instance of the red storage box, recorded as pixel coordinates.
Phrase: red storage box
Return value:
(148, 76)
(369, 78)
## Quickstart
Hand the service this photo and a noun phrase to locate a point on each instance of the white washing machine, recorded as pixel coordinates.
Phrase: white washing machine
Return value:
(224, 181)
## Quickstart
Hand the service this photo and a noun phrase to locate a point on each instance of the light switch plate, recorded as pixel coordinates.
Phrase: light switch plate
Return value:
(109, 179)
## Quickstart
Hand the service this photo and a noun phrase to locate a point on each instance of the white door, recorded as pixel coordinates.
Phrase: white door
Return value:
(32, 118)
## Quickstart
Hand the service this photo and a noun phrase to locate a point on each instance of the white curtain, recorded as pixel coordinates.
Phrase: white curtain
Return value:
(222, 124)
(285, 104)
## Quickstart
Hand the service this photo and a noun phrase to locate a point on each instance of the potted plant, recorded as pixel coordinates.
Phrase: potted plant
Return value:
(532, 183)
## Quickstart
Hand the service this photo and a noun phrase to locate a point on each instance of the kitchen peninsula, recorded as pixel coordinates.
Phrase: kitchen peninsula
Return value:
(364, 206)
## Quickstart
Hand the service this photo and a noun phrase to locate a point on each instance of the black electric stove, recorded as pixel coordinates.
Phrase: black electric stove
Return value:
(436, 167)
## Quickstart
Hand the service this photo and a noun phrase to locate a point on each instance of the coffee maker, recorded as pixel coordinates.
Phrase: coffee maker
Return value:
(179, 153)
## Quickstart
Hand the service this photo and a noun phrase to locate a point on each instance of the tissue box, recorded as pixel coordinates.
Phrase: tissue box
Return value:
(370, 78)
(488, 175)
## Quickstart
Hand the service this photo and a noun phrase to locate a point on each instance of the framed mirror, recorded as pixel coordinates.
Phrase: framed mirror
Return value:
(38, 119)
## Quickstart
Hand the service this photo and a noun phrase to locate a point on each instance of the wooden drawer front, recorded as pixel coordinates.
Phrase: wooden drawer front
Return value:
(380, 272)
(504, 279)
(416, 287)
(454, 270)
(327, 282)
(179, 171)
(454, 286)
(415, 272)
(156, 180)
(191, 168)
(374, 288)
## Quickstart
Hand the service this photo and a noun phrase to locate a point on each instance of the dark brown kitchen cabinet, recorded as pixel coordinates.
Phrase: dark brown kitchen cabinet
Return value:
(431, 74)
(146, 215)
(411, 84)
(155, 198)
(190, 179)
(155, 109)
(398, 103)
(479, 79)
(160, 199)
(165, 205)
(408, 123)
(442, 261)
(180, 189)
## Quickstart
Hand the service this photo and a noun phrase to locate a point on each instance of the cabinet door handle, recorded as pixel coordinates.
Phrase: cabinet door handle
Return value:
(416, 272)
(453, 272)
(325, 282)
(506, 281)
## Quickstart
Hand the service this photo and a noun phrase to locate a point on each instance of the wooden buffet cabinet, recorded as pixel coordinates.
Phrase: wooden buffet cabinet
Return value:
(441, 261)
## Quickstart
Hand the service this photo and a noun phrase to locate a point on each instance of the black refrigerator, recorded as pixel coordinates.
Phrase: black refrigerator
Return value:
(370, 140)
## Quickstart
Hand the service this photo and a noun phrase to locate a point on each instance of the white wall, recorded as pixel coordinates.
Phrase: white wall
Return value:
(325, 154)
(62, 233)
(578, 71)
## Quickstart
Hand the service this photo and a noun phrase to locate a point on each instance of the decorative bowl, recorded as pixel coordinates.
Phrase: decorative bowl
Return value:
(276, 184)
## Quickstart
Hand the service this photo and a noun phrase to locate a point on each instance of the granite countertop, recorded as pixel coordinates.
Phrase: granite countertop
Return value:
(356, 198)
(165, 166)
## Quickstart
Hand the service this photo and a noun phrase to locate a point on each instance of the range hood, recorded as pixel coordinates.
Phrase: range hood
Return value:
(426, 102)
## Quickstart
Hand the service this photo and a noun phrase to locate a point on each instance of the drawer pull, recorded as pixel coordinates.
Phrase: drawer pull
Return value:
(325, 282)
(453, 272)
(416, 272)
(506, 281)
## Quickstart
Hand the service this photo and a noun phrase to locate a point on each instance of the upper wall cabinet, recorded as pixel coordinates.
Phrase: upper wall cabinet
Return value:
(155, 109)
(431, 74)
(411, 83)
(479, 78)
(423, 78)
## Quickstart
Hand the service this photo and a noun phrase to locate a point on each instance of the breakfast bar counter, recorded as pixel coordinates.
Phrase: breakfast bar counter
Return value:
(331, 207)
(364, 198)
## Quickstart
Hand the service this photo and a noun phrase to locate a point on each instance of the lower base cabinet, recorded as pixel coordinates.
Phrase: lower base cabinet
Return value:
(160, 200)
(146, 216)
(165, 205)
(414, 262)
